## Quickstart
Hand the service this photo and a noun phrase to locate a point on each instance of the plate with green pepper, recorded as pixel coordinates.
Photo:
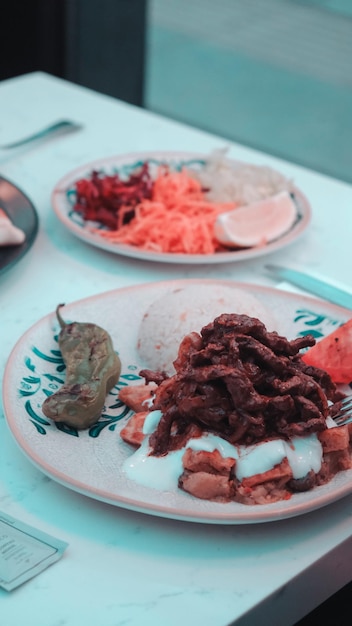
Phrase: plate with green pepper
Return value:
(55, 357)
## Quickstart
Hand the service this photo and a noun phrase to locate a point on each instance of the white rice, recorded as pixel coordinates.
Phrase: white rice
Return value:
(242, 183)
(188, 309)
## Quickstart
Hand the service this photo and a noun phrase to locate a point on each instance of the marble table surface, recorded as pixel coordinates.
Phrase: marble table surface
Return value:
(122, 567)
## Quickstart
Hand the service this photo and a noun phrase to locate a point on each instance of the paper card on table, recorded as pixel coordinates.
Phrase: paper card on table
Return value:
(24, 551)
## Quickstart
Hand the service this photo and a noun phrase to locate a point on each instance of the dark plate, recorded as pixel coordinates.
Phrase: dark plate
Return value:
(23, 215)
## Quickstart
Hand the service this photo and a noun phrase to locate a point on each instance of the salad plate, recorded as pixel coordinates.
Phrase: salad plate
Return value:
(64, 196)
(22, 214)
(91, 461)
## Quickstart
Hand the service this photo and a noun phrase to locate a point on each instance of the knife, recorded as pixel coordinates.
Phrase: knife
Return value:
(313, 285)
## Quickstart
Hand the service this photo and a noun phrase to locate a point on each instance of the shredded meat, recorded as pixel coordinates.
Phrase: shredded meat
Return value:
(242, 382)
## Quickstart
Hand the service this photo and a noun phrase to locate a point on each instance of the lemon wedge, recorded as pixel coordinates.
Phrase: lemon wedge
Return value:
(258, 223)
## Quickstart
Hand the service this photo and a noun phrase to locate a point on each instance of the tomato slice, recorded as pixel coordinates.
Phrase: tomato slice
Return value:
(333, 354)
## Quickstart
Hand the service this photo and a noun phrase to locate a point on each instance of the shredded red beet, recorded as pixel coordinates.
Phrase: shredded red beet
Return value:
(111, 200)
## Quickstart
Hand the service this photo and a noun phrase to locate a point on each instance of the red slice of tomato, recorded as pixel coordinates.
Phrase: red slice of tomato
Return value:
(333, 354)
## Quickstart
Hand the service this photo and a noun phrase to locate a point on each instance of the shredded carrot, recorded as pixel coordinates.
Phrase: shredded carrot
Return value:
(177, 218)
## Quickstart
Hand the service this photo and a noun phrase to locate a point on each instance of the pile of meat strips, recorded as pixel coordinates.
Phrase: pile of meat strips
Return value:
(246, 385)
(243, 383)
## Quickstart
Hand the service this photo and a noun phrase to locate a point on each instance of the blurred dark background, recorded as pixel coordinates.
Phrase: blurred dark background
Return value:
(99, 44)
(274, 75)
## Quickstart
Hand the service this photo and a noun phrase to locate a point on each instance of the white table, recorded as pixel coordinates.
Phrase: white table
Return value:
(123, 567)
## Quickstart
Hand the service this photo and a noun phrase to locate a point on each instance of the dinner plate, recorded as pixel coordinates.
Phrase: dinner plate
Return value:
(91, 461)
(63, 197)
(23, 215)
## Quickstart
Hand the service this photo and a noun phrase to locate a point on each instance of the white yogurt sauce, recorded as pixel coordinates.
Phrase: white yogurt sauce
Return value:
(162, 473)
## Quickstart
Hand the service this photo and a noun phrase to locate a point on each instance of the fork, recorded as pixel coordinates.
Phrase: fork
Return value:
(57, 127)
(343, 413)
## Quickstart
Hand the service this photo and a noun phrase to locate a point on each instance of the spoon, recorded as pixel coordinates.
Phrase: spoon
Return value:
(56, 127)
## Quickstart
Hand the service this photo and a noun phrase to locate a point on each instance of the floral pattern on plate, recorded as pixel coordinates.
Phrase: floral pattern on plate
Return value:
(91, 461)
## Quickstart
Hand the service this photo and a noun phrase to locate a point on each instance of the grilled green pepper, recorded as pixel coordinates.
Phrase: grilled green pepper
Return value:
(92, 369)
